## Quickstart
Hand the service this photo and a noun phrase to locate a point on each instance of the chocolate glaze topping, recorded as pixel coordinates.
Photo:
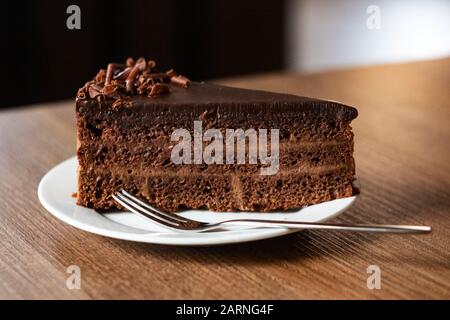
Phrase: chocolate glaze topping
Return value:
(135, 84)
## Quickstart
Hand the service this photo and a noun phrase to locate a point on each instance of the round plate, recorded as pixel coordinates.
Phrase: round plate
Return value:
(57, 186)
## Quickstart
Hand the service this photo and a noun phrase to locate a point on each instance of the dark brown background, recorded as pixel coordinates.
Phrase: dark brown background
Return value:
(202, 39)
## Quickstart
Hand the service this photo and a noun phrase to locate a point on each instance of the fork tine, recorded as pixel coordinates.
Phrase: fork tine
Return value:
(156, 211)
(144, 212)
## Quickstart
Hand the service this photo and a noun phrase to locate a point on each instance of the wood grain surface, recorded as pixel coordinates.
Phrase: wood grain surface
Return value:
(402, 143)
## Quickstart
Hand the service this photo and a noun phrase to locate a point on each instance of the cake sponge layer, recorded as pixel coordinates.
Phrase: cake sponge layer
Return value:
(174, 192)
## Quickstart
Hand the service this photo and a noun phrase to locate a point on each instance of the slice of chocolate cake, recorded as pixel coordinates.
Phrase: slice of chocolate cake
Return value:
(181, 144)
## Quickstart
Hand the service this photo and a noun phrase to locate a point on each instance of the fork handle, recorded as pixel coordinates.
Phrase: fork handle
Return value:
(326, 226)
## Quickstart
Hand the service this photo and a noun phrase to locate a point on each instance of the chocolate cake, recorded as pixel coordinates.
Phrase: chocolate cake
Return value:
(128, 114)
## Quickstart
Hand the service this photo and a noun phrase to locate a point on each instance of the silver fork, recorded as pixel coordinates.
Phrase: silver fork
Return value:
(182, 224)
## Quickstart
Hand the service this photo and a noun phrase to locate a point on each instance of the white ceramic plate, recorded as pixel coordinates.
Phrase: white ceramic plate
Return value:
(57, 186)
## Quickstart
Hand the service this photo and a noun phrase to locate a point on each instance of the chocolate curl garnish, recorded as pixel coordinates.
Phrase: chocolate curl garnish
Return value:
(81, 95)
(111, 91)
(143, 88)
(181, 81)
(143, 79)
(158, 88)
(151, 64)
(138, 67)
(119, 79)
(121, 76)
(121, 102)
(83, 91)
(171, 73)
(130, 62)
(100, 77)
(117, 103)
(87, 85)
(161, 77)
(94, 91)
(110, 71)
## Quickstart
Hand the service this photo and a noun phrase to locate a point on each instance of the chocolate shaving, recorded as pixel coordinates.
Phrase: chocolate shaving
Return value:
(109, 73)
(112, 67)
(138, 67)
(81, 94)
(130, 62)
(111, 91)
(121, 102)
(159, 88)
(100, 77)
(142, 89)
(134, 77)
(117, 103)
(160, 77)
(171, 73)
(180, 81)
(121, 76)
(94, 91)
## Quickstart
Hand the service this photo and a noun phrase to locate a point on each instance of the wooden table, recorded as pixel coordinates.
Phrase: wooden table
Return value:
(402, 155)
